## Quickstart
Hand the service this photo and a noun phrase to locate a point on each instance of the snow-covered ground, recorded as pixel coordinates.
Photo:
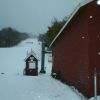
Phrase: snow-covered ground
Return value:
(16, 86)
(98, 98)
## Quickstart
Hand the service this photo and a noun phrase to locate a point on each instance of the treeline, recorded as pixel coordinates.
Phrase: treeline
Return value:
(10, 37)
(52, 31)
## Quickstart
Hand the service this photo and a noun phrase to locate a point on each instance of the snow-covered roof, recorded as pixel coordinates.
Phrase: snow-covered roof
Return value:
(31, 53)
(71, 16)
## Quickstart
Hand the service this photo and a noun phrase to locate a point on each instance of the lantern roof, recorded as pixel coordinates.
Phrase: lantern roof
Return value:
(31, 53)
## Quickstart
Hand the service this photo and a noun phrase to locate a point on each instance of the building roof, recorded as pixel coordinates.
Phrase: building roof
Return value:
(31, 53)
(70, 18)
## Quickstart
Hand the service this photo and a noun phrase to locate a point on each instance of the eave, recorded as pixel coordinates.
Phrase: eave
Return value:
(70, 18)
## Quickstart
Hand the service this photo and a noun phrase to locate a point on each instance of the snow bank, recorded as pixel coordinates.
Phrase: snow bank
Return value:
(98, 98)
(15, 86)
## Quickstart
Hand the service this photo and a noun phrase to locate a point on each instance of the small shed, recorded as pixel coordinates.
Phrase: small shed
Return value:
(31, 66)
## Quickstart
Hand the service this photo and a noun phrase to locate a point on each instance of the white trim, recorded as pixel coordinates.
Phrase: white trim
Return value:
(71, 16)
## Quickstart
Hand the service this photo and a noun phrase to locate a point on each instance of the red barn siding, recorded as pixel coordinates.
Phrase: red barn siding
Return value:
(75, 52)
(94, 42)
(72, 56)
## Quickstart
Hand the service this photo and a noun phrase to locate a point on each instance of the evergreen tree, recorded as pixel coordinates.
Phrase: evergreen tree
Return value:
(10, 37)
(52, 31)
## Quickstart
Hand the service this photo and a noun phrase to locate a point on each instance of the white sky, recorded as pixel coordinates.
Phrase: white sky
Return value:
(33, 16)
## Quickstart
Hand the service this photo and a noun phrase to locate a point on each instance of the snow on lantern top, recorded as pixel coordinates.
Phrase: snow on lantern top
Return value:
(31, 55)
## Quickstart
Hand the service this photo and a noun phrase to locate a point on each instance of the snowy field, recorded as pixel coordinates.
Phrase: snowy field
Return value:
(16, 86)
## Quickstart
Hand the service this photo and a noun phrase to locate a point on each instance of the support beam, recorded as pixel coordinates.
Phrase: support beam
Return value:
(43, 58)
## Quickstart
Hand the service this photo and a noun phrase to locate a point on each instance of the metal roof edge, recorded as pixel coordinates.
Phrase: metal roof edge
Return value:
(71, 16)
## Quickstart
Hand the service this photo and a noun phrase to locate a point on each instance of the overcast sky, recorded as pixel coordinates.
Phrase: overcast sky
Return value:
(33, 16)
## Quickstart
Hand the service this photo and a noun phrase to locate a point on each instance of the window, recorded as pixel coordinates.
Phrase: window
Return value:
(32, 65)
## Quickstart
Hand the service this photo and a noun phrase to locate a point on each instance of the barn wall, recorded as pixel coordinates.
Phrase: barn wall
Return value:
(71, 53)
(75, 52)
(94, 43)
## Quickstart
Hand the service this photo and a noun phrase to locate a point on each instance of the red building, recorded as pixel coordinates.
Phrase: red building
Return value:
(76, 48)
(31, 66)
